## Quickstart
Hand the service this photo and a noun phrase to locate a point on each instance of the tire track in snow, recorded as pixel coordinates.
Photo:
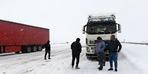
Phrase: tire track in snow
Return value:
(16, 60)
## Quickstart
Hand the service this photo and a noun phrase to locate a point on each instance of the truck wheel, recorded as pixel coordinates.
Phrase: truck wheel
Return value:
(17, 52)
(0, 50)
(34, 48)
(23, 49)
(40, 48)
(28, 49)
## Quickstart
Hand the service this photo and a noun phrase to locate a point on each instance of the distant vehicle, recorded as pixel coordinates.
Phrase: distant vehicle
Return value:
(17, 37)
(99, 25)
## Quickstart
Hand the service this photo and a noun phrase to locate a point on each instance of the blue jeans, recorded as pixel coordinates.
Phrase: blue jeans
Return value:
(113, 57)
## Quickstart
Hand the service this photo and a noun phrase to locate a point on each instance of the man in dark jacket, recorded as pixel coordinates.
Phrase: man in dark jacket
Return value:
(76, 50)
(114, 47)
(47, 50)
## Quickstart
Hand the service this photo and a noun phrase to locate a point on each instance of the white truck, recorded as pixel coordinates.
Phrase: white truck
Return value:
(99, 25)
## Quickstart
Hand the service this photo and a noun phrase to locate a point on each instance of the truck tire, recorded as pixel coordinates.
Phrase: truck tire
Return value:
(28, 50)
(34, 48)
(40, 48)
(0, 50)
(17, 52)
(23, 49)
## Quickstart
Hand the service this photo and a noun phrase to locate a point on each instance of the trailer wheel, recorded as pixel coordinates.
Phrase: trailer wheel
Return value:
(17, 52)
(28, 49)
(39, 48)
(34, 48)
(0, 50)
(23, 49)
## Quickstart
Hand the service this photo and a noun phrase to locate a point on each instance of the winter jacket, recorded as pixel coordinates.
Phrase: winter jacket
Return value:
(76, 47)
(100, 46)
(47, 47)
(114, 46)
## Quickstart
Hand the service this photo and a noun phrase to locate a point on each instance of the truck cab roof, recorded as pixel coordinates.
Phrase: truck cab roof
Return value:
(99, 18)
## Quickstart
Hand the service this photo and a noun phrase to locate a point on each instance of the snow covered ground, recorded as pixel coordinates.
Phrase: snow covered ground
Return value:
(132, 60)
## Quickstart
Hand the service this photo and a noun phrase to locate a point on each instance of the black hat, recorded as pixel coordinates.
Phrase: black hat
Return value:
(99, 38)
(78, 39)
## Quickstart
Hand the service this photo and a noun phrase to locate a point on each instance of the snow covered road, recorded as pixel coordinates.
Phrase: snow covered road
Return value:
(131, 60)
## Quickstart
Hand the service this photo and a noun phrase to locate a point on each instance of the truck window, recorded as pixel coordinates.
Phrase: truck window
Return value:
(101, 29)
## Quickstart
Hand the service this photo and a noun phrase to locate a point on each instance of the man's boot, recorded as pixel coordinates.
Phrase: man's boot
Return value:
(77, 67)
(116, 70)
(110, 69)
(100, 68)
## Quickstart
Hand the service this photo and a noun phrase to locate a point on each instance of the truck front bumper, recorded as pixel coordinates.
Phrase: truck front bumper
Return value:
(91, 50)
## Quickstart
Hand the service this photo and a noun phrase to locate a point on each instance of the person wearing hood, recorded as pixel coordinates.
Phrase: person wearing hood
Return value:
(76, 50)
(100, 46)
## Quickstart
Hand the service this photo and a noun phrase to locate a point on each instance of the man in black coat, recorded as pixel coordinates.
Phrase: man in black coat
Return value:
(76, 50)
(47, 50)
(114, 47)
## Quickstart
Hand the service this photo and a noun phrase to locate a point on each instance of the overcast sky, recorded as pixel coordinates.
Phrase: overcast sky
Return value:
(65, 18)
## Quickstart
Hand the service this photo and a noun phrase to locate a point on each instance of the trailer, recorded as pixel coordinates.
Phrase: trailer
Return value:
(17, 37)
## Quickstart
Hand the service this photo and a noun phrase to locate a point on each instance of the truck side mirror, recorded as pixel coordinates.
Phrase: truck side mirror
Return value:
(119, 28)
(84, 29)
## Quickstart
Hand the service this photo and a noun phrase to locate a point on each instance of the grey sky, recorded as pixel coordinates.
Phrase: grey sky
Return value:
(65, 18)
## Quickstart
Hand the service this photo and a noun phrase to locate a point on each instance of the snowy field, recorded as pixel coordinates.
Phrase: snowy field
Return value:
(132, 60)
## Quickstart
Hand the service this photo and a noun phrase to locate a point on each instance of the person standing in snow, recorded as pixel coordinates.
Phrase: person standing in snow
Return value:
(100, 46)
(114, 47)
(76, 50)
(47, 50)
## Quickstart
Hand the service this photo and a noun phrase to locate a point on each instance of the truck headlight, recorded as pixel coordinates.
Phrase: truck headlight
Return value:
(91, 42)
(88, 50)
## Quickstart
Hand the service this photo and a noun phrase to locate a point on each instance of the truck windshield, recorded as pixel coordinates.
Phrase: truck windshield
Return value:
(101, 28)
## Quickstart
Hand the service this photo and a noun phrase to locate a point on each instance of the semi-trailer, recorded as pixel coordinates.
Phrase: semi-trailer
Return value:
(21, 38)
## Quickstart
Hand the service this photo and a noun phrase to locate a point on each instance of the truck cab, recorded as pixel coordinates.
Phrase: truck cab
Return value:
(99, 25)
